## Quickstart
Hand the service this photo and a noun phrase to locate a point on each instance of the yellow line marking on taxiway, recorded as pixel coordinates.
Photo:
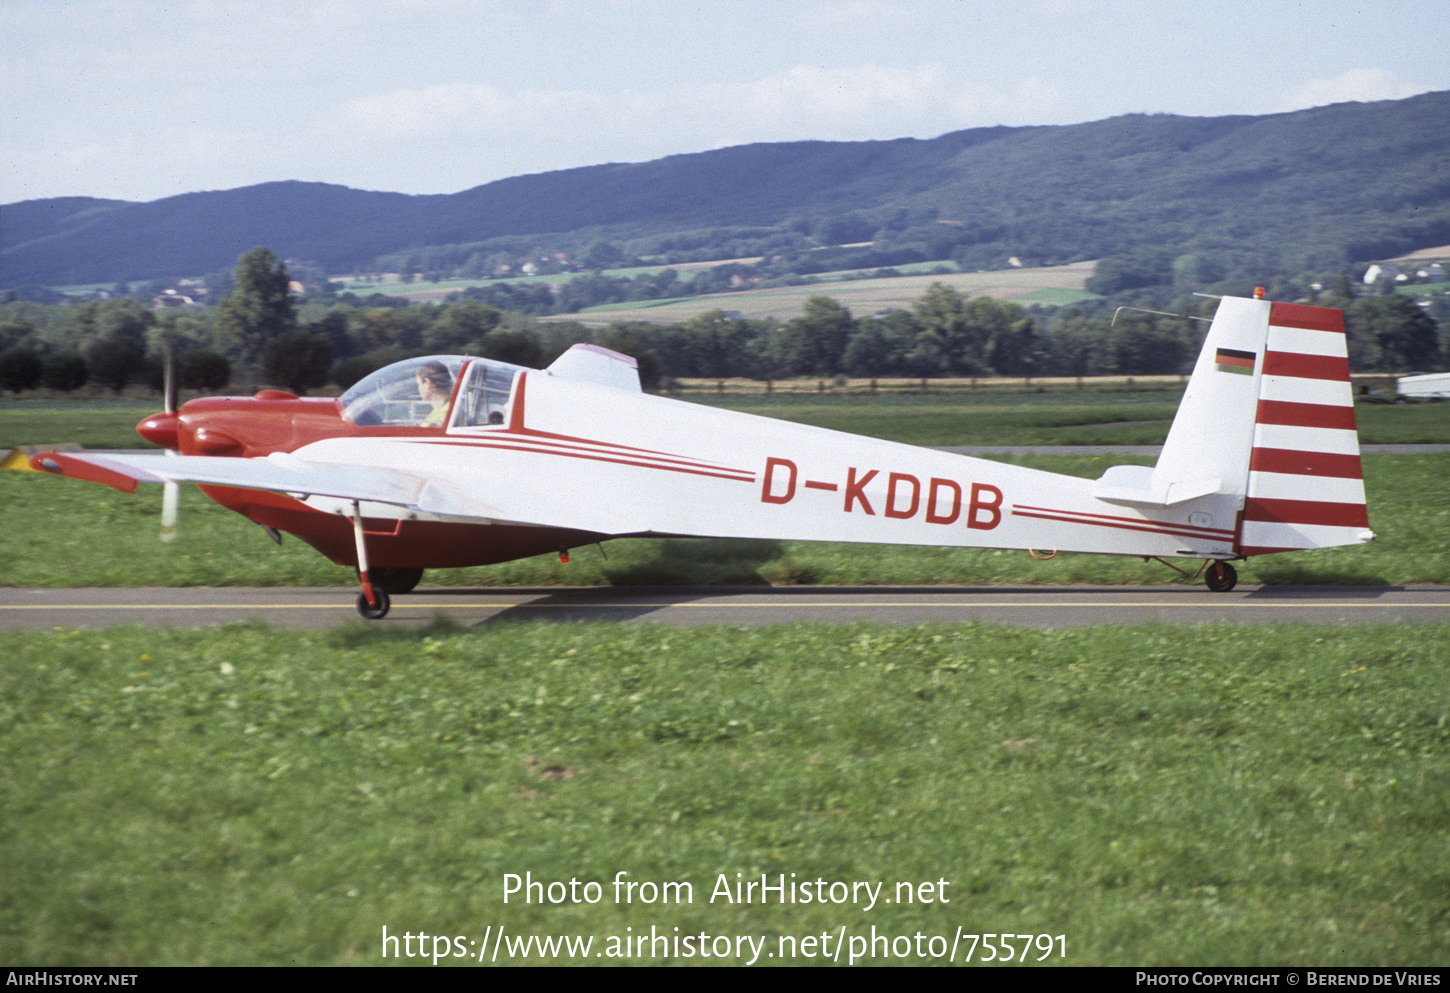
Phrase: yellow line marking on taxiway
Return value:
(784, 604)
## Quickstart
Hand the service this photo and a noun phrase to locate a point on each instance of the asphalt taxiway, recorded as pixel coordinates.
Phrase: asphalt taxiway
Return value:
(1025, 606)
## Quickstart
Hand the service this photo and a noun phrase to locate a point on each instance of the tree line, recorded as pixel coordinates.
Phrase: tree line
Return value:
(262, 334)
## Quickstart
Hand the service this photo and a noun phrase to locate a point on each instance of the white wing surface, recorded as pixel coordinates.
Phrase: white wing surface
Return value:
(280, 473)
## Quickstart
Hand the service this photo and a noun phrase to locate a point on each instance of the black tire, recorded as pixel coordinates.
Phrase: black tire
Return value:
(395, 582)
(1221, 577)
(371, 612)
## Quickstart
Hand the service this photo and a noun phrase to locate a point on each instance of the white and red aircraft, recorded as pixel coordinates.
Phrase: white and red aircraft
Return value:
(455, 461)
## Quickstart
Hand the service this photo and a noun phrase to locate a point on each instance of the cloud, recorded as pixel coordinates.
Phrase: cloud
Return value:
(1033, 99)
(829, 95)
(1363, 85)
(445, 107)
(803, 101)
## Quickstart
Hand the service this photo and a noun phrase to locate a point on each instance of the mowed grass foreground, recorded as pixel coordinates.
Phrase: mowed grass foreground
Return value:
(1155, 795)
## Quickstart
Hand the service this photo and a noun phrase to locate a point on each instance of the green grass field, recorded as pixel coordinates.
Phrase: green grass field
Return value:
(1153, 795)
(89, 423)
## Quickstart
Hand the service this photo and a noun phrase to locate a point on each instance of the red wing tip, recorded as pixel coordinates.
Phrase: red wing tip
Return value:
(72, 468)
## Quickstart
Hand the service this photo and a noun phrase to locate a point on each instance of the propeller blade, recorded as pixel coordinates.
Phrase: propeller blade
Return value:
(170, 493)
(168, 378)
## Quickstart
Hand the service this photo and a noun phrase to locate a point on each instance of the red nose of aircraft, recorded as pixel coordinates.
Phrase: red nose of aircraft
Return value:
(161, 429)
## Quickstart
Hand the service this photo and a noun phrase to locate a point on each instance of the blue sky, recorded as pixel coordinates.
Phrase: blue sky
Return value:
(142, 99)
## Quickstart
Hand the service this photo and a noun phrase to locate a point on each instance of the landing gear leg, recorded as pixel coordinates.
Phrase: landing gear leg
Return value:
(372, 602)
(1221, 577)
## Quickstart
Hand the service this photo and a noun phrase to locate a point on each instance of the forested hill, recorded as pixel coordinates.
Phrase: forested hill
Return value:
(1288, 192)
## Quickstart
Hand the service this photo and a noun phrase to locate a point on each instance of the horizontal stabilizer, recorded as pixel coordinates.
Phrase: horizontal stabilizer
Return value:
(1135, 484)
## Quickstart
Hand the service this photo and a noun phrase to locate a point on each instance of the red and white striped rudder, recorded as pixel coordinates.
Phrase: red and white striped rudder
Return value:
(1305, 485)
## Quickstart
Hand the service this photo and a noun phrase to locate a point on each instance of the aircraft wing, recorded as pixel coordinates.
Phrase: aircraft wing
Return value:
(279, 472)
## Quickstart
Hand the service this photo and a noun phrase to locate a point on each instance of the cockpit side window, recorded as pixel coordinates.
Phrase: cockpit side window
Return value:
(483, 400)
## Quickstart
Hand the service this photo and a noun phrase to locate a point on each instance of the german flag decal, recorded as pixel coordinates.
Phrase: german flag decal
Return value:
(1235, 361)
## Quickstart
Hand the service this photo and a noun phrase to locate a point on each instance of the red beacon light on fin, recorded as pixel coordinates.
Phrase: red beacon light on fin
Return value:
(1258, 293)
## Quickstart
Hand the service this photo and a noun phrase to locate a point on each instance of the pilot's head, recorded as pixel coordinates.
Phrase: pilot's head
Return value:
(434, 382)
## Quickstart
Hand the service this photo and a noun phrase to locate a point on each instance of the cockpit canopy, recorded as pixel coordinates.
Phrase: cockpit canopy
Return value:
(418, 392)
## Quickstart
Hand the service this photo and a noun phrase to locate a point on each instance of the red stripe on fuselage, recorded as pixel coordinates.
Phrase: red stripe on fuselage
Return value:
(518, 428)
(519, 437)
(507, 439)
(543, 447)
(1124, 523)
(516, 409)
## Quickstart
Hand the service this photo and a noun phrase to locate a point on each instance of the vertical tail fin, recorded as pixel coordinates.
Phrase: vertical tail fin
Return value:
(1305, 485)
(1208, 445)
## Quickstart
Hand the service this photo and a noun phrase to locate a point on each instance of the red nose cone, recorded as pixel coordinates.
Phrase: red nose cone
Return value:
(160, 429)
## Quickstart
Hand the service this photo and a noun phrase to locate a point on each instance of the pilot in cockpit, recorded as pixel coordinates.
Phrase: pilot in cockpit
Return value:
(435, 386)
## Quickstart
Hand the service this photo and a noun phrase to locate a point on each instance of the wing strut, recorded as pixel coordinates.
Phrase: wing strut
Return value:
(372, 602)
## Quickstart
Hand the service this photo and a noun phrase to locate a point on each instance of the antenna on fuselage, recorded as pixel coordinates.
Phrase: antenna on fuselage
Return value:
(1160, 313)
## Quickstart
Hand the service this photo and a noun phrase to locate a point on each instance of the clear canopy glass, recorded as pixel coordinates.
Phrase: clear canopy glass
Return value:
(416, 392)
(393, 394)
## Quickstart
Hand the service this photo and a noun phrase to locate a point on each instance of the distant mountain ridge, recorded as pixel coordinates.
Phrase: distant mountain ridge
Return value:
(1325, 185)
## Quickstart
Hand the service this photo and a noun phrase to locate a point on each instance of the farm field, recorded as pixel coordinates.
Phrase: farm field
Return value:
(1055, 286)
(1052, 285)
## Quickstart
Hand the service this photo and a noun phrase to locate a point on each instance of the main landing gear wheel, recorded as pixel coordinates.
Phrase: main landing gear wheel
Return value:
(395, 581)
(1221, 577)
(370, 611)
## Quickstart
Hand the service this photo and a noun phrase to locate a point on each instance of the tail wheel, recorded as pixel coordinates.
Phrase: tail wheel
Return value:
(1221, 577)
